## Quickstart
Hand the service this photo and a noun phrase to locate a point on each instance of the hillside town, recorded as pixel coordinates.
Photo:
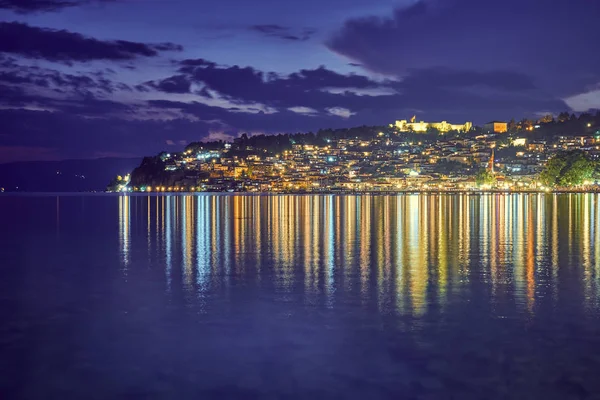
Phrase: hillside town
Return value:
(407, 155)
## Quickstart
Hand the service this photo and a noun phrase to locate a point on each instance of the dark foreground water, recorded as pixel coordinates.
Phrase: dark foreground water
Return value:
(266, 297)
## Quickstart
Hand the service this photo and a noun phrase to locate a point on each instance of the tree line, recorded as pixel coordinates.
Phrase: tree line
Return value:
(568, 169)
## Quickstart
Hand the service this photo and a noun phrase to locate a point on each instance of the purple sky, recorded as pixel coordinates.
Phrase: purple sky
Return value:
(93, 78)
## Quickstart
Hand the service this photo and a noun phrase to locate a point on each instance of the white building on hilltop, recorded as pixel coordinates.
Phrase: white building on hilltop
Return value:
(421, 127)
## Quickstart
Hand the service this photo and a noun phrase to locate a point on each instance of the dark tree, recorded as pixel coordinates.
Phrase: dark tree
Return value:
(563, 116)
(485, 177)
(570, 168)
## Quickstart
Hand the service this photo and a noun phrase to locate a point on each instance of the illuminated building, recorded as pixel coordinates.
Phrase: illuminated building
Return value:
(422, 127)
(495, 127)
(519, 142)
(538, 146)
(575, 142)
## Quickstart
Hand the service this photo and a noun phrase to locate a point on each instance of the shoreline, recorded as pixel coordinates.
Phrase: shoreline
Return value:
(300, 193)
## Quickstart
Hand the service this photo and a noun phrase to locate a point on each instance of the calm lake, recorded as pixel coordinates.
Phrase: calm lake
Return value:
(315, 296)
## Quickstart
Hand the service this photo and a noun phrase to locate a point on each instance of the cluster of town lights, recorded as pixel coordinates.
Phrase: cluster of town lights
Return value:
(382, 163)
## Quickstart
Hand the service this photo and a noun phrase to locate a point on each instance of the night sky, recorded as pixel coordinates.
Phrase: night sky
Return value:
(123, 78)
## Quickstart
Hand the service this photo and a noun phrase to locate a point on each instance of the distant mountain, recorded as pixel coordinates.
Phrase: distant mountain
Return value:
(64, 176)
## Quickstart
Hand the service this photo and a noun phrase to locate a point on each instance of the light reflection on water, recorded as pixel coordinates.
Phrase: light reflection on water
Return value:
(242, 296)
(403, 253)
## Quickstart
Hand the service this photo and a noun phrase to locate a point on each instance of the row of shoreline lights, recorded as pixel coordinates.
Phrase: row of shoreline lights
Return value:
(519, 187)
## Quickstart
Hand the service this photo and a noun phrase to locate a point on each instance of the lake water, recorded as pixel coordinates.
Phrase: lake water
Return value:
(267, 297)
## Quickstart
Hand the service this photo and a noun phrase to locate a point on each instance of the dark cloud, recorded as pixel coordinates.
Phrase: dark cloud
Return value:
(188, 66)
(550, 41)
(232, 121)
(246, 84)
(33, 6)
(314, 79)
(28, 6)
(64, 46)
(61, 82)
(205, 93)
(437, 92)
(84, 95)
(145, 87)
(16, 78)
(196, 62)
(83, 104)
(174, 84)
(283, 32)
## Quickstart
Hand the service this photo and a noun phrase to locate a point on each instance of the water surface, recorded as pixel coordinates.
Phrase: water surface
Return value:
(234, 296)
